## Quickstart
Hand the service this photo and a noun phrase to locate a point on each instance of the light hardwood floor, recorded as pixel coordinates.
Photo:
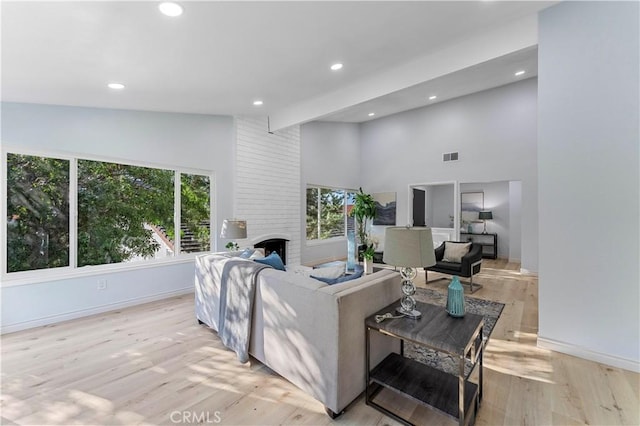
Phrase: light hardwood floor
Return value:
(153, 364)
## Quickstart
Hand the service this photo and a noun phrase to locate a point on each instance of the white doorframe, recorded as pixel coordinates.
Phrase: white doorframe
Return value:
(455, 231)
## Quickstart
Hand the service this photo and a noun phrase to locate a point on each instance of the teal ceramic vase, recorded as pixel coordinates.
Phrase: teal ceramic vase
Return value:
(455, 298)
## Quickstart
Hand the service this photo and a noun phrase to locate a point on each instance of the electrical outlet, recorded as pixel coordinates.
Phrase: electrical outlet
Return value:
(102, 284)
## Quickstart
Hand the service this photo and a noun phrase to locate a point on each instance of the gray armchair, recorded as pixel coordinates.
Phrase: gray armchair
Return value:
(468, 267)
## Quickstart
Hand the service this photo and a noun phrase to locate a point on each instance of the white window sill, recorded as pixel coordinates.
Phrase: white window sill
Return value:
(66, 273)
(313, 243)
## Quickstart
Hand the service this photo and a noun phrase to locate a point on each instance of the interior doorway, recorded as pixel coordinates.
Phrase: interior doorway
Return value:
(435, 205)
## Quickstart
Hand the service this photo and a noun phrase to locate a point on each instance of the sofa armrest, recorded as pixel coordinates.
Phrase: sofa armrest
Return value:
(473, 256)
(354, 305)
(439, 252)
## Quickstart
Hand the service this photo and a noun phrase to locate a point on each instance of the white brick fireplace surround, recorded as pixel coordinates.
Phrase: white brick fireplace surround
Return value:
(267, 192)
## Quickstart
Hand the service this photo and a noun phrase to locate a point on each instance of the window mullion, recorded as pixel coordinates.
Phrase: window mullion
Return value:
(73, 213)
(176, 213)
(319, 196)
(3, 213)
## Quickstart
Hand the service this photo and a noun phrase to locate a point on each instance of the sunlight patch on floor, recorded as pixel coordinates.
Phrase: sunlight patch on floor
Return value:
(519, 359)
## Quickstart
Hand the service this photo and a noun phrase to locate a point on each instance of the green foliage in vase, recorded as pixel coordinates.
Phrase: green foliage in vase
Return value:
(368, 253)
(231, 245)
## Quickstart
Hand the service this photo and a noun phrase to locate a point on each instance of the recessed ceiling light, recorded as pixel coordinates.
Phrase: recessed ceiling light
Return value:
(336, 67)
(257, 103)
(371, 114)
(170, 9)
(117, 86)
(519, 73)
(432, 97)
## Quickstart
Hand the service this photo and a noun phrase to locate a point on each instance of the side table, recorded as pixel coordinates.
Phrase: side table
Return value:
(453, 395)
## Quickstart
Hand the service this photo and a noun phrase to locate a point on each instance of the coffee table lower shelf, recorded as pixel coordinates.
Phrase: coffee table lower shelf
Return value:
(421, 383)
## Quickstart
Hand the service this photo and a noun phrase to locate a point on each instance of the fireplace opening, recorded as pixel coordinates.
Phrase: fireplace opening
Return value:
(278, 245)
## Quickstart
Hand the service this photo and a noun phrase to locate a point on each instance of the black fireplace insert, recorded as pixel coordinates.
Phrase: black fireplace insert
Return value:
(279, 245)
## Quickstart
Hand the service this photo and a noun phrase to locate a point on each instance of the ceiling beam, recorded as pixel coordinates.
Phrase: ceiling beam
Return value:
(483, 47)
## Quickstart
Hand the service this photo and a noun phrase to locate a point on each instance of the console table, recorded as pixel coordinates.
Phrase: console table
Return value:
(489, 243)
(453, 395)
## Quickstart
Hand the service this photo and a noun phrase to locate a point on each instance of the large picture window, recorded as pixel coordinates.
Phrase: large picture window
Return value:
(195, 211)
(327, 212)
(37, 213)
(78, 212)
(125, 212)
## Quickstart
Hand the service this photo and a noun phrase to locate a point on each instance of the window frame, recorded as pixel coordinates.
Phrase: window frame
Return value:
(73, 271)
(319, 241)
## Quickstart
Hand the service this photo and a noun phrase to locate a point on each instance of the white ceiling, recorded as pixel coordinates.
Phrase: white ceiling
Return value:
(218, 57)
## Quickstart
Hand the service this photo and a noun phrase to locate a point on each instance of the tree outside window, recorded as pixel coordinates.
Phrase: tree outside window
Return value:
(195, 213)
(120, 210)
(38, 213)
(125, 213)
(326, 213)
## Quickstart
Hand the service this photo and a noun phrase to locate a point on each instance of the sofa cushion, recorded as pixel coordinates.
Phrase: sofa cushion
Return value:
(453, 252)
(258, 253)
(328, 272)
(272, 260)
(339, 280)
(246, 253)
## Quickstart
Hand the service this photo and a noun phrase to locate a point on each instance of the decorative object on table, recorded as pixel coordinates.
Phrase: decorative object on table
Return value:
(364, 209)
(367, 256)
(232, 246)
(385, 208)
(408, 248)
(351, 250)
(455, 298)
(484, 216)
(233, 229)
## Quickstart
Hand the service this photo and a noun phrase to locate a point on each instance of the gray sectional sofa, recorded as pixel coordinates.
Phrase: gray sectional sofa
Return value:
(309, 332)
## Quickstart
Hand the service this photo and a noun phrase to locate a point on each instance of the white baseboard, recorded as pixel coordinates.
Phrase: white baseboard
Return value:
(580, 352)
(524, 271)
(92, 311)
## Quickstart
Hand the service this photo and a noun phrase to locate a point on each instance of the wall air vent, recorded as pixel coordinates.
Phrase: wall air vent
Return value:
(450, 156)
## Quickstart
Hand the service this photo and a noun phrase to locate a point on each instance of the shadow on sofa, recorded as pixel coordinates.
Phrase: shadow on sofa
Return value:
(468, 267)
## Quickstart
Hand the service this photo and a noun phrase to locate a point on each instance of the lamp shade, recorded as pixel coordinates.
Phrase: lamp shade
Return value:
(485, 215)
(233, 229)
(408, 247)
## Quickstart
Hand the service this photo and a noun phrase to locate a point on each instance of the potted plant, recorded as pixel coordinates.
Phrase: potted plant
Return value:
(364, 209)
(367, 255)
(232, 245)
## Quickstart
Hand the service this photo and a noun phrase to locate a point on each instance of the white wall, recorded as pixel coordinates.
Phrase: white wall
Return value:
(588, 158)
(496, 199)
(268, 183)
(330, 157)
(515, 223)
(164, 139)
(495, 133)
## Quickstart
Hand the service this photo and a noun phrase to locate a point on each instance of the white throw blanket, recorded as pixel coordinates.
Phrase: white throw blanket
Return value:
(237, 291)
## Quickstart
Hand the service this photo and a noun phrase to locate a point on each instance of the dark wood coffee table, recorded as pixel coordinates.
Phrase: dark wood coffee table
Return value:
(453, 395)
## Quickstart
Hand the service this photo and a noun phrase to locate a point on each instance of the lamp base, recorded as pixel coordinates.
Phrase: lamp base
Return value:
(413, 314)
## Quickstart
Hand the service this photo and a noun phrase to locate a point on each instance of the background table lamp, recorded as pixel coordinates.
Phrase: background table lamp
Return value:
(408, 248)
(233, 229)
(484, 216)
